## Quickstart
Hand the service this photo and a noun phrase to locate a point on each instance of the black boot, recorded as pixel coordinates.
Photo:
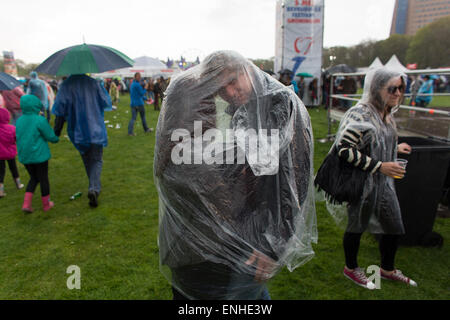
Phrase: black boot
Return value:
(93, 198)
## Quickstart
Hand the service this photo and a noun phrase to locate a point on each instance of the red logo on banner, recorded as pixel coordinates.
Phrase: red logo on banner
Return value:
(304, 43)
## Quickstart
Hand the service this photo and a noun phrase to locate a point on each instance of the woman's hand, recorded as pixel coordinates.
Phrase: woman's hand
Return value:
(392, 169)
(265, 266)
(404, 148)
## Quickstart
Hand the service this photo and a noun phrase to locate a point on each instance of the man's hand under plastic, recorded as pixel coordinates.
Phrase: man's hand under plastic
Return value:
(265, 266)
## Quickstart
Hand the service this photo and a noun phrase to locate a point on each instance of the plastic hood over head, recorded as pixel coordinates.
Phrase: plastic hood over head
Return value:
(30, 104)
(374, 82)
(33, 75)
(233, 168)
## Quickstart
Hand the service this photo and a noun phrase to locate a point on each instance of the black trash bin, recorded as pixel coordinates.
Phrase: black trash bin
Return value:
(420, 191)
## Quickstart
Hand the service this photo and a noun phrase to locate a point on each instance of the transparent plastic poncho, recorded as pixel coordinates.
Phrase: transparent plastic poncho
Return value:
(234, 172)
(378, 211)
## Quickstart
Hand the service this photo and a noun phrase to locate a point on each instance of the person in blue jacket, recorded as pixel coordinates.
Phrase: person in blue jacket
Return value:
(81, 101)
(286, 78)
(37, 88)
(427, 88)
(137, 96)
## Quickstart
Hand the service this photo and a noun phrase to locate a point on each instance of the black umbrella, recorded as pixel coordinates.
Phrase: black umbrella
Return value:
(8, 82)
(340, 68)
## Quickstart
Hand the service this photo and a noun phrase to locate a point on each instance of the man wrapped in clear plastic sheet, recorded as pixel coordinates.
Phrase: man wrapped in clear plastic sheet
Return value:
(233, 169)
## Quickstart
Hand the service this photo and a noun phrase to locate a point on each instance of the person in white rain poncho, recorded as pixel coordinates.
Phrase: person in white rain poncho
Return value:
(367, 139)
(233, 169)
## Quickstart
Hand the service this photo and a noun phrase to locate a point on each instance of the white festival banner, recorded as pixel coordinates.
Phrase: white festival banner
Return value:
(299, 38)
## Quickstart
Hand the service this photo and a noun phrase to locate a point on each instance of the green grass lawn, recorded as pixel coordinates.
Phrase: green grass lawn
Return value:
(440, 101)
(115, 245)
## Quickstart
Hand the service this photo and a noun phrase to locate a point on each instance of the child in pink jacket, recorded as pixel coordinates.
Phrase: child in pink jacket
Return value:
(8, 150)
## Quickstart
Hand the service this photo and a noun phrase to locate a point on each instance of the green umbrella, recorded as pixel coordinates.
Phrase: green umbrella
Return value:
(85, 58)
(304, 75)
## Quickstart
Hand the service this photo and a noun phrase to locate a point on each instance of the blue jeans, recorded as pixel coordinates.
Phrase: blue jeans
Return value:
(93, 162)
(420, 102)
(208, 280)
(244, 287)
(134, 111)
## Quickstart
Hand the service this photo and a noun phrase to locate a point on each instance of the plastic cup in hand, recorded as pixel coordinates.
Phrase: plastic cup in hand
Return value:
(402, 163)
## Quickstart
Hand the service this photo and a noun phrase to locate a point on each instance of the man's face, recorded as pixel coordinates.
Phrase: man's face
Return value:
(237, 88)
(138, 77)
(286, 78)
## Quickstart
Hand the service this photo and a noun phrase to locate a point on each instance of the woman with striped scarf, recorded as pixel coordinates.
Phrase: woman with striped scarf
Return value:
(367, 139)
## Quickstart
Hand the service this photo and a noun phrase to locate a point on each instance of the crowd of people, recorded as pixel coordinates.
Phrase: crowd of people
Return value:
(228, 243)
(78, 100)
(300, 86)
(418, 92)
(155, 88)
(44, 89)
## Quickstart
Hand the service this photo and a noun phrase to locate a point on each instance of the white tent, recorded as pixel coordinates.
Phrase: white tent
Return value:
(376, 64)
(148, 62)
(395, 65)
(146, 66)
(144, 71)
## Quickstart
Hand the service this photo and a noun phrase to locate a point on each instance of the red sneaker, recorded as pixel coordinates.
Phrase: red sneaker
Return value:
(398, 276)
(359, 277)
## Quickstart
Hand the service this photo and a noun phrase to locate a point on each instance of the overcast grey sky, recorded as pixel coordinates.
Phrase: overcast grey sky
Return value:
(170, 28)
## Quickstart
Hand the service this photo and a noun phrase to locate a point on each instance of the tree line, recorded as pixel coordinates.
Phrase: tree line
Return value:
(429, 48)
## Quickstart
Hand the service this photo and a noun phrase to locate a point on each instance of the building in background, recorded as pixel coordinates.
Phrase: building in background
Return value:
(411, 15)
(9, 63)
